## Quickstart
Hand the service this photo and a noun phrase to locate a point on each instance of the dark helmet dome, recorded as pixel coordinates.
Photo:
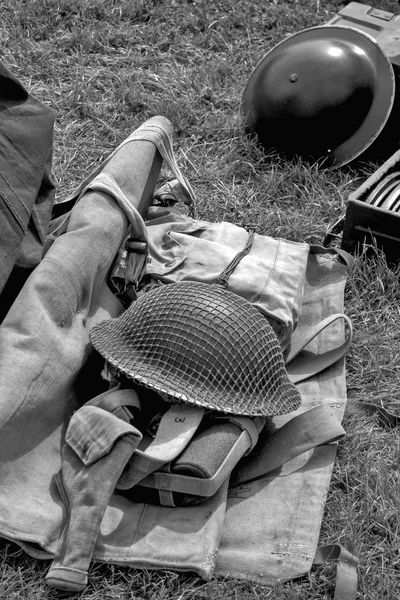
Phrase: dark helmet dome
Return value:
(324, 93)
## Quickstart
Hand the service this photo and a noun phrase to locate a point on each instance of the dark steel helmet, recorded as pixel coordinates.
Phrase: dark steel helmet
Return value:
(325, 94)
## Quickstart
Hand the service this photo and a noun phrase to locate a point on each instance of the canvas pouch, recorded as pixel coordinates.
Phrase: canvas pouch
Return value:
(206, 462)
(221, 440)
(200, 248)
(270, 275)
(47, 363)
(215, 447)
(218, 444)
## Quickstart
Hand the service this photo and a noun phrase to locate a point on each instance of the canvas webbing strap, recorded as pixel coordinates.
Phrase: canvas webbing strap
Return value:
(153, 130)
(346, 574)
(252, 426)
(197, 486)
(116, 401)
(176, 429)
(312, 428)
(385, 416)
(304, 367)
(347, 258)
(207, 487)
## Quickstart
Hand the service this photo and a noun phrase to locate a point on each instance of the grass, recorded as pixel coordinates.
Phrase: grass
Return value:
(106, 66)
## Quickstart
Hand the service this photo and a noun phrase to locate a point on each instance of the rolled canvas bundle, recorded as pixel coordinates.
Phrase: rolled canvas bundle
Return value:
(48, 368)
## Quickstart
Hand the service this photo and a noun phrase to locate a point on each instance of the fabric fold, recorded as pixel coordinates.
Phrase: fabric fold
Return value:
(279, 544)
(48, 368)
(97, 447)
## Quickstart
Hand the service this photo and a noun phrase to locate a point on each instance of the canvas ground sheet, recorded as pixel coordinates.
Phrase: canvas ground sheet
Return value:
(272, 525)
(48, 369)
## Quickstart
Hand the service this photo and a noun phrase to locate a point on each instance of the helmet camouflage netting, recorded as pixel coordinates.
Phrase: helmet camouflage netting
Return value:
(200, 344)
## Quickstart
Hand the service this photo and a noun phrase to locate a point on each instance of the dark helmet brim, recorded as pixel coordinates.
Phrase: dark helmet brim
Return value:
(382, 101)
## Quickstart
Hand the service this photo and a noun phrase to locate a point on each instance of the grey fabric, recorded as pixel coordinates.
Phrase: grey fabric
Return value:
(92, 461)
(280, 543)
(271, 276)
(46, 362)
(46, 359)
(26, 186)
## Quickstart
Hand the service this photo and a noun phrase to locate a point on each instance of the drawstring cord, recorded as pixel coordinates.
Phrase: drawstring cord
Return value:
(226, 273)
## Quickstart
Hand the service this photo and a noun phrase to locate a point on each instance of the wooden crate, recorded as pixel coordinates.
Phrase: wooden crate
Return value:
(369, 225)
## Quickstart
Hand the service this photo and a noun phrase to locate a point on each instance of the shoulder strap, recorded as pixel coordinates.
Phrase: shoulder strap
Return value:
(346, 574)
(176, 429)
(307, 365)
(311, 428)
(117, 401)
(347, 258)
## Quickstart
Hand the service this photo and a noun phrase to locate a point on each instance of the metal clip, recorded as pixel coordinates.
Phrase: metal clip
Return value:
(136, 245)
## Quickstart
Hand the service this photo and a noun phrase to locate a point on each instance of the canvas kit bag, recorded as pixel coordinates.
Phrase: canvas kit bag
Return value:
(219, 441)
(26, 186)
(67, 294)
(268, 272)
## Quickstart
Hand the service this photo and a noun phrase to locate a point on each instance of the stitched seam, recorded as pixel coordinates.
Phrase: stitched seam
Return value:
(69, 570)
(12, 189)
(71, 275)
(14, 212)
(273, 269)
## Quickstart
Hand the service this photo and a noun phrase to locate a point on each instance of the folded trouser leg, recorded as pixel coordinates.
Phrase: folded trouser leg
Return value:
(48, 367)
(98, 446)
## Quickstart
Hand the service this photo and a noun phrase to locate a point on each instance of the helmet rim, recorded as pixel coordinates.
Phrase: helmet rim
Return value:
(230, 362)
(377, 114)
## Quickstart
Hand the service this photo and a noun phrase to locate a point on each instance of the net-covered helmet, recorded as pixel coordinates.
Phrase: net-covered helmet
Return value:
(201, 344)
(324, 93)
